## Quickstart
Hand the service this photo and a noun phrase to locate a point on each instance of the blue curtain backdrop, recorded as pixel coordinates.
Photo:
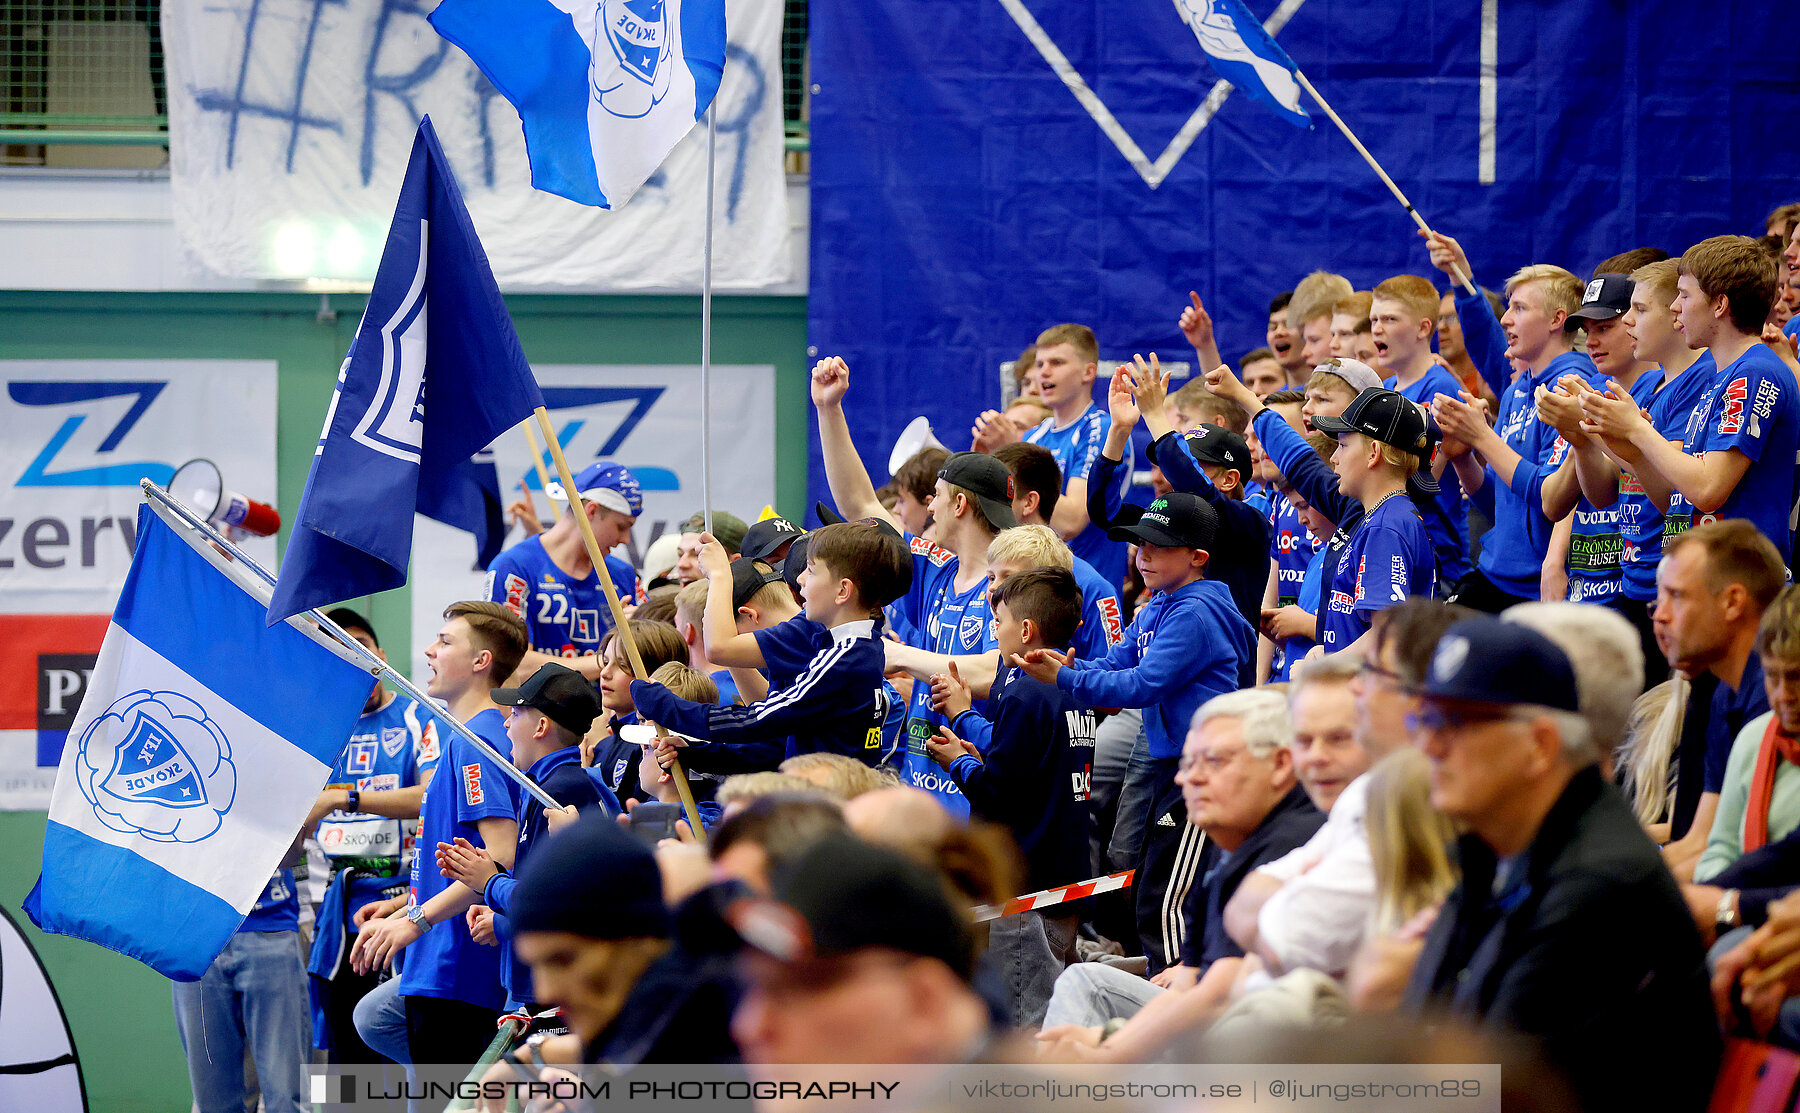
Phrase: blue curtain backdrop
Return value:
(962, 200)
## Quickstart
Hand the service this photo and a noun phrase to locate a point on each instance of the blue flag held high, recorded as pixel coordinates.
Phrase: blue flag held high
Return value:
(434, 375)
(201, 744)
(1244, 54)
(605, 88)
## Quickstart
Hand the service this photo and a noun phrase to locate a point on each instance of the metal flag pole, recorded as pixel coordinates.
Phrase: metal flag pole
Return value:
(620, 622)
(706, 260)
(1466, 282)
(376, 666)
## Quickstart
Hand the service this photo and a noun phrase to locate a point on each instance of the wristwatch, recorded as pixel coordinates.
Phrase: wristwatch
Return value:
(416, 913)
(354, 804)
(1725, 916)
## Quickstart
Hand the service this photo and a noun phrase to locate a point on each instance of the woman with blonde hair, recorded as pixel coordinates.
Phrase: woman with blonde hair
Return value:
(1409, 846)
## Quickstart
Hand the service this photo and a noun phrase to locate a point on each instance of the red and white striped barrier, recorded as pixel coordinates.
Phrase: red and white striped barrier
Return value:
(1031, 902)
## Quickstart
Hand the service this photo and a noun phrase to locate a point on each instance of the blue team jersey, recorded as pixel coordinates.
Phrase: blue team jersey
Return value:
(277, 908)
(1312, 593)
(1641, 523)
(1750, 408)
(395, 747)
(1076, 446)
(1388, 560)
(1449, 534)
(564, 617)
(445, 962)
(1291, 547)
(952, 622)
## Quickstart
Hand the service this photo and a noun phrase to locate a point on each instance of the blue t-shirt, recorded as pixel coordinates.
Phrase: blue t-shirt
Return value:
(1389, 559)
(1450, 533)
(1792, 328)
(564, 617)
(1751, 409)
(728, 689)
(468, 788)
(277, 908)
(1641, 524)
(1312, 593)
(1076, 446)
(954, 623)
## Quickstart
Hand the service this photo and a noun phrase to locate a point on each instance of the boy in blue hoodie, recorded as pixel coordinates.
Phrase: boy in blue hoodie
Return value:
(1186, 645)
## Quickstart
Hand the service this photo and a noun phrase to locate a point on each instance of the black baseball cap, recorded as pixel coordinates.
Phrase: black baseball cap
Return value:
(564, 696)
(990, 481)
(1213, 444)
(1606, 297)
(1176, 519)
(1488, 660)
(830, 517)
(796, 561)
(842, 895)
(763, 538)
(748, 577)
(1383, 415)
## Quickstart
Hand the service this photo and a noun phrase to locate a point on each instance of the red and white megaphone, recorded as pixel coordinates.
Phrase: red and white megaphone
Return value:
(199, 484)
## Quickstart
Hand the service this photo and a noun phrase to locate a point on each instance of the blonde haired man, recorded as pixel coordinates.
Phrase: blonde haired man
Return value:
(1518, 449)
(1309, 313)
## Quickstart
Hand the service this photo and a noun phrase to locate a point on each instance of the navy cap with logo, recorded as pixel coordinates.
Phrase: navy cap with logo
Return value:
(842, 895)
(1606, 297)
(748, 577)
(1177, 520)
(1488, 660)
(564, 696)
(990, 481)
(1212, 444)
(764, 539)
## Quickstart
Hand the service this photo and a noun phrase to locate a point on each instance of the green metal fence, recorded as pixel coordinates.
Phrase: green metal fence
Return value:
(81, 84)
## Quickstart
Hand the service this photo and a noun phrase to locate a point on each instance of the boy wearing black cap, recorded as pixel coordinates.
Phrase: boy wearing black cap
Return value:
(836, 702)
(1027, 768)
(1187, 645)
(1381, 440)
(546, 718)
(1208, 461)
(947, 603)
(769, 540)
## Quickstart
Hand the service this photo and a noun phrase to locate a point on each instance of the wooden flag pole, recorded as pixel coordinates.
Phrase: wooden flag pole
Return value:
(537, 459)
(1466, 282)
(620, 621)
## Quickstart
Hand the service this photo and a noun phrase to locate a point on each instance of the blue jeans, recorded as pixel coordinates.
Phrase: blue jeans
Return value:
(1092, 993)
(253, 996)
(1137, 794)
(381, 1021)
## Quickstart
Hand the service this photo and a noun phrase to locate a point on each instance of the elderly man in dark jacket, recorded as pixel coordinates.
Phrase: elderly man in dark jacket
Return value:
(1567, 926)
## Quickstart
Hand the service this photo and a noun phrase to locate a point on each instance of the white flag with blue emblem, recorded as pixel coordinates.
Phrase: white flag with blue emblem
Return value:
(1245, 55)
(201, 744)
(605, 88)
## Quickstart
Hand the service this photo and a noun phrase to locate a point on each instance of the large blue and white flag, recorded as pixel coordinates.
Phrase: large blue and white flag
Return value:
(1245, 55)
(605, 88)
(435, 341)
(201, 744)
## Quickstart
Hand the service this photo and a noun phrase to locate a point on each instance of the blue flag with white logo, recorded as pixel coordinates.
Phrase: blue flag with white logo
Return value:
(604, 88)
(434, 375)
(1245, 55)
(201, 744)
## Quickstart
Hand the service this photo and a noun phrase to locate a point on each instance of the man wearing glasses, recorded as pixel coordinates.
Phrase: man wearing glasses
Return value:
(1566, 925)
